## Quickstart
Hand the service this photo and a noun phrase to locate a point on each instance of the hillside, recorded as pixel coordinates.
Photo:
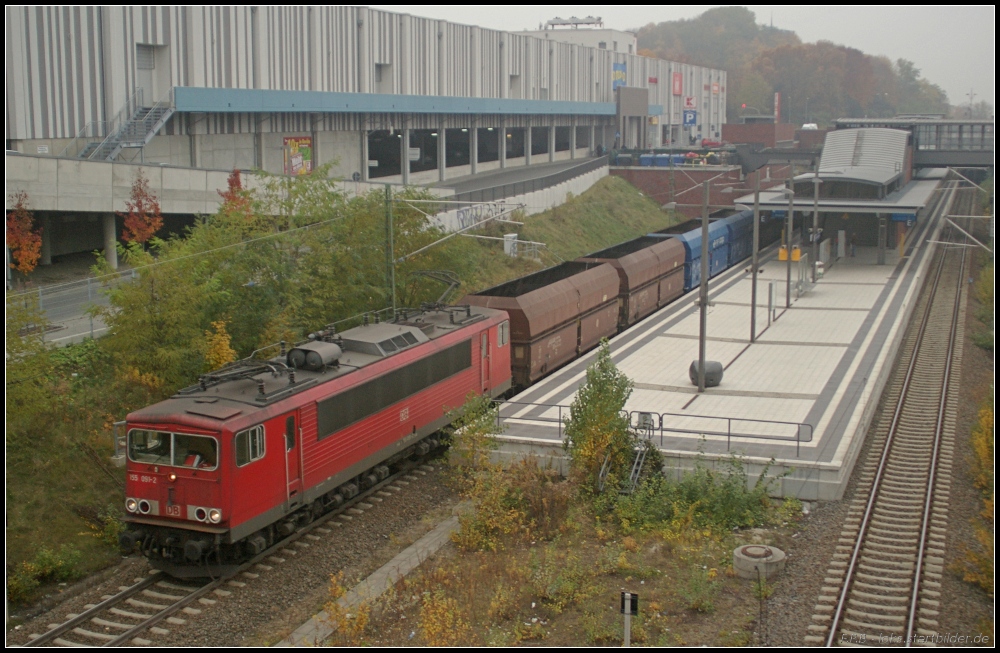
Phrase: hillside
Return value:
(837, 80)
(612, 211)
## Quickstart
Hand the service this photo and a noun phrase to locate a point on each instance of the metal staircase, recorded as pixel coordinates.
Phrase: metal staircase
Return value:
(134, 127)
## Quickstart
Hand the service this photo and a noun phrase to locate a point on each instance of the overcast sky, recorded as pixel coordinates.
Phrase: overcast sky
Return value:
(952, 46)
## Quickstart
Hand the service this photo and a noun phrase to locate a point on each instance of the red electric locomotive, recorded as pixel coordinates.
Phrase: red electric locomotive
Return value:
(222, 469)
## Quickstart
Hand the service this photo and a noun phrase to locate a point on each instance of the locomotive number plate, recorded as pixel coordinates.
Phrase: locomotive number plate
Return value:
(136, 478)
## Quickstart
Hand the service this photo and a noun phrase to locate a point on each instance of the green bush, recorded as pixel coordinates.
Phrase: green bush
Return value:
(48, 566)
(714, 499)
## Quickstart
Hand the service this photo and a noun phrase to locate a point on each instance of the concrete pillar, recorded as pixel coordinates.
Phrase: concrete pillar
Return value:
(404, 153)
(592, 134)
(474, 147)
(572, 137)
(46, 241)
(882, 227)
(552, 141)
(315, 144)
(110, 239)
(527, 143)
(364, 155)
(442, 152)
(503, 145)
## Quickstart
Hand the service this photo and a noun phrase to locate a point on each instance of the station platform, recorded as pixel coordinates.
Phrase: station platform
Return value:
(803, 394)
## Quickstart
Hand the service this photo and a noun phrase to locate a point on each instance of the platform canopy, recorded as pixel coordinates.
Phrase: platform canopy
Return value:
(909, 199)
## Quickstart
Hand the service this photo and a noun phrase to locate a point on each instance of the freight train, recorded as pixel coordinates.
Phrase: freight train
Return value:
(225, 468)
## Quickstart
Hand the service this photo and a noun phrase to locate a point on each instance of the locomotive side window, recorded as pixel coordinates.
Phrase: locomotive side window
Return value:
(149, 446)
(503, 332)
(289, 433)
(249, 445)
(177, 449)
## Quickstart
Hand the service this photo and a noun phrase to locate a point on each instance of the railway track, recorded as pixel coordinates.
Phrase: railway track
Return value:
(883, 586)
(154, 605)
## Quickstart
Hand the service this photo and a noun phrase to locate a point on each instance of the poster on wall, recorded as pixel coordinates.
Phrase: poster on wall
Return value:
(298, 155)
(678, 84)
(618, 75)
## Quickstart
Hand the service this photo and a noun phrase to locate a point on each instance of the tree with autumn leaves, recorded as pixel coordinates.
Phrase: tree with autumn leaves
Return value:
(142, 212)
(23, 240)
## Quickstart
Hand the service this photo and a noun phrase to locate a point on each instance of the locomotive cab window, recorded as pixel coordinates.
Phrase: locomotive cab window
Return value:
(176, 449)
(249, 445)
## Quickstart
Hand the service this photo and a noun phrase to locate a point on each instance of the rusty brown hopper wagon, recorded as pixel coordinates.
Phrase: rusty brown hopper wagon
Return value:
(650, 272)
(555, 314)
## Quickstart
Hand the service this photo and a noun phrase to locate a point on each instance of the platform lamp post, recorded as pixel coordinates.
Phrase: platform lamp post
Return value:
(703, 288)
(815, 230)
(755, 256)
(788, 243)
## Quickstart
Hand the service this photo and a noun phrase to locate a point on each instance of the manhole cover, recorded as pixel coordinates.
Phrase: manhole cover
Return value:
(756, 551)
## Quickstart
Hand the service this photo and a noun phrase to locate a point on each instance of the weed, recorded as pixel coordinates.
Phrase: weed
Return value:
(349, 628)
(699, 590)
(762, 590)
(602, 628)
(442, 622)
(790, 510)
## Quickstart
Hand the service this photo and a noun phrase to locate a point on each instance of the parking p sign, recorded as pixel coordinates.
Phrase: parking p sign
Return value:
(690, 118)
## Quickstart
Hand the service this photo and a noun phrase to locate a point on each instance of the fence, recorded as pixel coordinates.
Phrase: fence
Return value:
(651, 425)
(531, 185)
(67, 307)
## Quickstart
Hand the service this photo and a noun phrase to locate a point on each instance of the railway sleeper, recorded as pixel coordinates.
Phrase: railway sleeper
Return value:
(877, 606)
(875, 627)
(874, 616)
(110, 624)
(83, 632)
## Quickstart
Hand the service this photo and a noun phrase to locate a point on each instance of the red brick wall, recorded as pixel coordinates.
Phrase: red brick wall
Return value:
(766, 133)
(655, 183)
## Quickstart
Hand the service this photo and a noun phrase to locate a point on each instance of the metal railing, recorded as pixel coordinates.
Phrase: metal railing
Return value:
(92, 130)
(653, 424)
(531, 185)
(121, 119)
(539, 418)
(650, 425)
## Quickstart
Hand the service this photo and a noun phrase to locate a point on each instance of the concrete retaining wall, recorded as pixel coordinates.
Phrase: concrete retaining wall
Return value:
(534, 202)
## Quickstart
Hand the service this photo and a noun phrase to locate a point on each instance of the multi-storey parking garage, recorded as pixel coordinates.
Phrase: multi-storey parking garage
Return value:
(374, 93)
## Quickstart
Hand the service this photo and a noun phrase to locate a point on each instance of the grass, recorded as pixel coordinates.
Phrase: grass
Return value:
(612, 211)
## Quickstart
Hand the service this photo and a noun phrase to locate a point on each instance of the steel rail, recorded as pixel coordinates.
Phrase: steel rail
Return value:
(939, 427)
(70, 624)
(880, 471)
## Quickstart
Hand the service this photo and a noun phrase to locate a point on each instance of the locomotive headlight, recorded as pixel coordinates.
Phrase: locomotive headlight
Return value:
(173, 477)
(131, 505)
(215, 515)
